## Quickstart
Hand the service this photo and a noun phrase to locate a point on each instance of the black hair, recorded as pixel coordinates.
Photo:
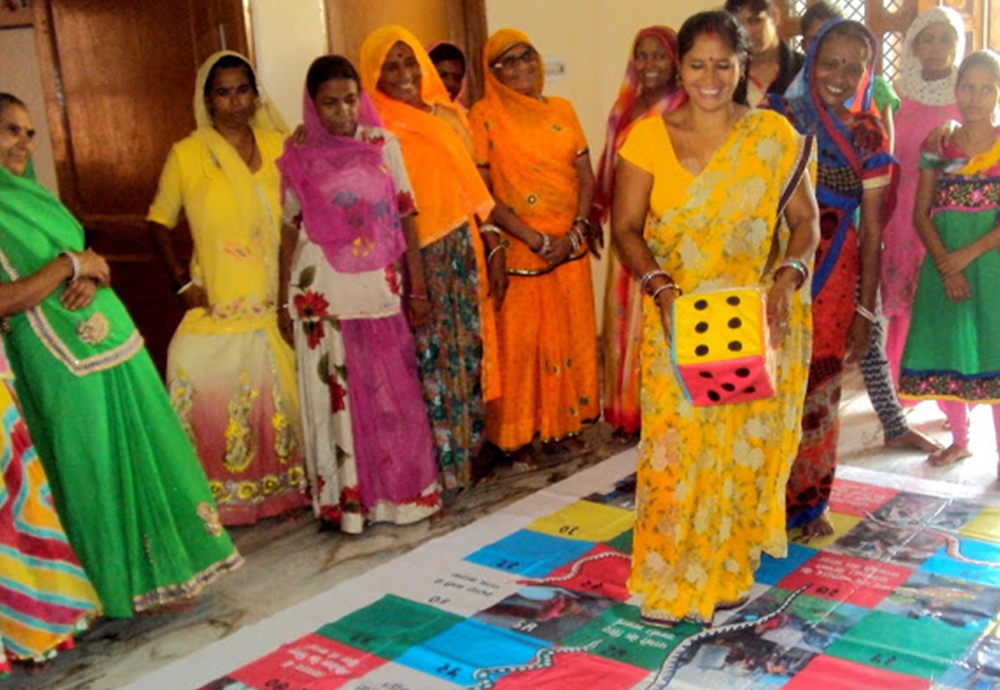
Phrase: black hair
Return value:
(981, 58)
(728, 27)
(820, 12)
(328, 67)
(447, 51)
(230, 62)
(10, 99)
(755, 6)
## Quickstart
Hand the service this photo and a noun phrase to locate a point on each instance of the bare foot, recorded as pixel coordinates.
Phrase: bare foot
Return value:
(948, 456)
(524, 460)
(623, 437)
(818, 528)
(914, 439)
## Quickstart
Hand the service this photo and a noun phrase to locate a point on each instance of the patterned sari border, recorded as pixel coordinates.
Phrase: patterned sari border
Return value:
(47, 335)
(186, 590)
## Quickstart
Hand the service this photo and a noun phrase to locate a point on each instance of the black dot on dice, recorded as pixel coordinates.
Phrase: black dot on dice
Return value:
(705, 374)
(701, 305)
(701, 350)
(743, 372)
(735, 322)
(750, 390)
(701, 327)
(733, 301)
(728, 387)
(714, 396)
(735, 346)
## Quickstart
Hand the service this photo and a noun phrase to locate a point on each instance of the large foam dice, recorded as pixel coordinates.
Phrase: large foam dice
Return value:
(720, 349)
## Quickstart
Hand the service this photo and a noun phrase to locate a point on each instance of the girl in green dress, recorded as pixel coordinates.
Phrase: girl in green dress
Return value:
(951, 350)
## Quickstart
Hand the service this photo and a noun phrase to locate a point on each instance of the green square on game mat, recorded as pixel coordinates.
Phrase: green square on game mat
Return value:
(623, 542)
(390, 626)
(924, 648)
(622, 637)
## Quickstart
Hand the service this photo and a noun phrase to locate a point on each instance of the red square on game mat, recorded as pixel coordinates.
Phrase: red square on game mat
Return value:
(602, 571)
(312, 661)
(830, 673)
(844, 578)
(855, 498)
(575, 670)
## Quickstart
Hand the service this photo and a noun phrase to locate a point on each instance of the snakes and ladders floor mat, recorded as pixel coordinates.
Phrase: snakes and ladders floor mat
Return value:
(905, 596)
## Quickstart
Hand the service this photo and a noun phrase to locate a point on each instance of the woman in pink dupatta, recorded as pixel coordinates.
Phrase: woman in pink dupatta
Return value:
(649, 88)
(347, 222)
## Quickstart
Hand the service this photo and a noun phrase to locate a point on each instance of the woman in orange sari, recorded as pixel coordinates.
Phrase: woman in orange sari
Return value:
(532, 152)
(451, 309)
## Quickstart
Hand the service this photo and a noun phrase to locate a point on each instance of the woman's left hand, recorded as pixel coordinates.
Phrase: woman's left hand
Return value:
(418, 310)
(954, 262)
(858, 337)
(779, 300)
(560, 249)
(78, 294)
(496, 269)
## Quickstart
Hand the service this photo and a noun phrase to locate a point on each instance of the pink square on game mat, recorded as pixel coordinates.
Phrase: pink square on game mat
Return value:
(831, 673)
(836, 577)
(855, 498)
(313, 661)
(575, 670)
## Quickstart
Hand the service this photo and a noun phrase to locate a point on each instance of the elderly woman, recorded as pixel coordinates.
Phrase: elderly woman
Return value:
(649, 88)
(124, 477)
(532, 152)
(45, 596)
(230, 373)
(855, 174)
(711, 478)
(456, 335)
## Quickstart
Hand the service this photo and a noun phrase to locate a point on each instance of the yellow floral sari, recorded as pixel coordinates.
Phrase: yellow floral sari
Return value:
(711, 480)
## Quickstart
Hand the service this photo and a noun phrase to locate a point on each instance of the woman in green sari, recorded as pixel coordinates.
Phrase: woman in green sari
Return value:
(133, 499)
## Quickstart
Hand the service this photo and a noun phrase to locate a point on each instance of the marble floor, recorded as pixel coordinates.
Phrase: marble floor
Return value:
(290, 560)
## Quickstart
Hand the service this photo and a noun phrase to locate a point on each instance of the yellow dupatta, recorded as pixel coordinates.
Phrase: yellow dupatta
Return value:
(241, 217)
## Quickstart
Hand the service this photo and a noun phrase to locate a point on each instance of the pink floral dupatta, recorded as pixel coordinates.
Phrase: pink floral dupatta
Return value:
(346, 192)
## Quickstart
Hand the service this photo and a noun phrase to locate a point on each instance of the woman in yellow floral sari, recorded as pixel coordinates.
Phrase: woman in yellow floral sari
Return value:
(532, 151)
(711, 480)
(231, 375)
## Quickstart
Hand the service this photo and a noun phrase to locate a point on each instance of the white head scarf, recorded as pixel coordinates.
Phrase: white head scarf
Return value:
(911, 83)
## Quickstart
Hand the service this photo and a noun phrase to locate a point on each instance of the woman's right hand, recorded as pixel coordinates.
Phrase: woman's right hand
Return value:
(956, 286)
(195, 297)
(940, 137)
(285, 326)
(92, 265)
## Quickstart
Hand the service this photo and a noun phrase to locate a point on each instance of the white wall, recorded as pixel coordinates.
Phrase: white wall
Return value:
(20, 76)
(287, 36)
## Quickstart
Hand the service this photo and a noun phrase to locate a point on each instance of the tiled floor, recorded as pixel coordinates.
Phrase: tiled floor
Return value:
(289, 561)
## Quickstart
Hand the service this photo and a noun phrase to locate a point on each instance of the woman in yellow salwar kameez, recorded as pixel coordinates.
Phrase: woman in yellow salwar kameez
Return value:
(231, 375)
(698, 199)
(532, 151)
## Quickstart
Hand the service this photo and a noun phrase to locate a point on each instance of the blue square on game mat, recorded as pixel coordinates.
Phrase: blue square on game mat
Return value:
(774, 570)
(970, 560)
(529, 554)
(457, 653)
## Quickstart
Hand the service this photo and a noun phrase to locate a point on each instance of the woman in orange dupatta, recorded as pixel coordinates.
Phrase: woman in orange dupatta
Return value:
(533, 153)
(452, 309)
(648, 89)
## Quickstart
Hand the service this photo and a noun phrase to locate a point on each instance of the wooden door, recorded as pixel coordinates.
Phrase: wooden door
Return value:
(462, 22)
(119, 82)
